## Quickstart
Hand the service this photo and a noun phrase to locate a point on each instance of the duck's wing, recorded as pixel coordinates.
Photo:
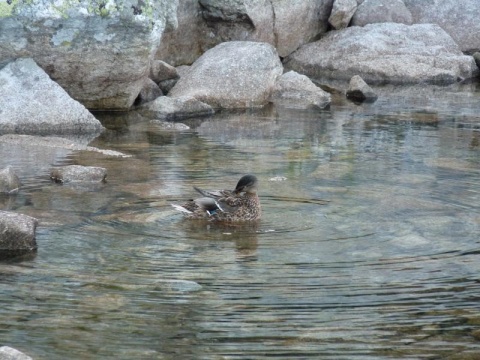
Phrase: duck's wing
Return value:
(230, 203)
(203, 204)
(208, 204)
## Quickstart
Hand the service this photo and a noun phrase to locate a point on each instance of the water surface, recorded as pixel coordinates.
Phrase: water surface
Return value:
(368, 247)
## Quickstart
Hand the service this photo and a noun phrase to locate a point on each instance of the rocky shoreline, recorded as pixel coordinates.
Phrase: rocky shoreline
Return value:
(223, 54)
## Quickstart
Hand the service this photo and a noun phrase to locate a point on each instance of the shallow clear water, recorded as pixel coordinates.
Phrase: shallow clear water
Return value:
(368, 248)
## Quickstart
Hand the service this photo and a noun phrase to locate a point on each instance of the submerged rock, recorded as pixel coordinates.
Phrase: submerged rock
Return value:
(183, 107)
(358, 90)
(382, 11)
(9, 181)
(169, 125)
(342, 13)
(385, 53)
(183, 286)
(75, 143)
(237, 74)
(298, 91)
(33, 103)
(98, 51)
(78, 173)
(17, 234)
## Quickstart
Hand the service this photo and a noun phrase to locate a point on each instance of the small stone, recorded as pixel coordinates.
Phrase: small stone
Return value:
(167, 85)
(358, 90)
(17, 234)
(294, 90)
(160, 71)
(9, 181)
(78, 173)
(150, 91)
(169, 108)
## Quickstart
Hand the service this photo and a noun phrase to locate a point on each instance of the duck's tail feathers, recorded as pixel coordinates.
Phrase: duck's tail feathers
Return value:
(181, 209)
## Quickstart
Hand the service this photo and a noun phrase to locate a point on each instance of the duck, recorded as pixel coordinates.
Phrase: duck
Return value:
(238, 205)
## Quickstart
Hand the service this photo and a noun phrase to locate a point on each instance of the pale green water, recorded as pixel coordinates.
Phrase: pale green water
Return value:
(369, 249)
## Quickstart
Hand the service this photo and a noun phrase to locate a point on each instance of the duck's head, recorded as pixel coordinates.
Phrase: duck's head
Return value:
(248, 184)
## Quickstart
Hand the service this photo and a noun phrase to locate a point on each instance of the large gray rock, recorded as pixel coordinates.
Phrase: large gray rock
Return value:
(8, 353)
(206, 23)
(183, 107)
(99, 51)
(9, 181)
(385, 53)
(294, 90)
(382, 11)
(237, 74)
(33, 103)
(342, 13)
(460, 19)
(17, 234)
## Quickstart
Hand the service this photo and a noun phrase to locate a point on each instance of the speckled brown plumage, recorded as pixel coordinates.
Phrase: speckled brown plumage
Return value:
(241, 204)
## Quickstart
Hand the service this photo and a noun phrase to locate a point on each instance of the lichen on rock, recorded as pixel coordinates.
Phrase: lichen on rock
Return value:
(99, 51)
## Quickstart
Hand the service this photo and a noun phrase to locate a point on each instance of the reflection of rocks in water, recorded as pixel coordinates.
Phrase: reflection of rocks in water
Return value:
(7, 201)
(475, 142)
(238, 126)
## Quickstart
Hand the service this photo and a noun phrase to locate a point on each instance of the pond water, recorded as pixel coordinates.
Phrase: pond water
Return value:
(368, 247)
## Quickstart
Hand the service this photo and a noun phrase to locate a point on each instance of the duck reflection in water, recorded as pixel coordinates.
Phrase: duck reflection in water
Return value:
(238, 205)
(243, 235)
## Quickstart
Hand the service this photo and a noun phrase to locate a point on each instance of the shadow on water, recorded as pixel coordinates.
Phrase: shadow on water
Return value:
(367, 248)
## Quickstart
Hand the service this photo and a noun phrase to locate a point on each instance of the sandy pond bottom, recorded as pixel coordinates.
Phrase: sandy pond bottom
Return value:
(369, 247)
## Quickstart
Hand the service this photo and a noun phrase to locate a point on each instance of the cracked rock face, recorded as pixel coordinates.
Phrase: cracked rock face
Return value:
(207, 23)
(98, 52)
